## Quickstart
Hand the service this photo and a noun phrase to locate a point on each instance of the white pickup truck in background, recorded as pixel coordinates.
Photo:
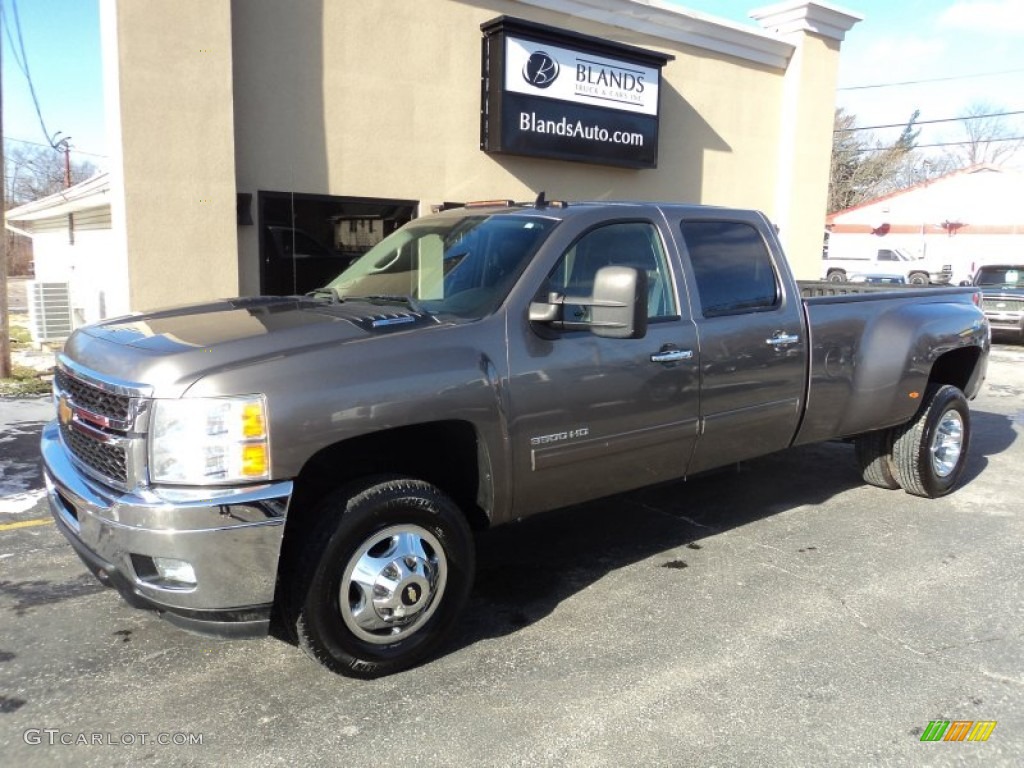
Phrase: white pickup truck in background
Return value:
(885, 261)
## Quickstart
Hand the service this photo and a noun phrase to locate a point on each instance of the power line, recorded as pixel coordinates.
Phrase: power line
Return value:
(929, 122)
(929, 80)
(22, 62)
(941, 144)
(75, 150)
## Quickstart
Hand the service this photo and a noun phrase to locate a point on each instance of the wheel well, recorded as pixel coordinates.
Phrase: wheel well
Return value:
(447, 454)
(444, 453)
(955, 367)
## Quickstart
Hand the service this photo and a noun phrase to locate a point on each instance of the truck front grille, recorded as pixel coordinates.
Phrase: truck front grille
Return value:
(1010, 304)
(99, 424)
(108, 460)
(93, 399)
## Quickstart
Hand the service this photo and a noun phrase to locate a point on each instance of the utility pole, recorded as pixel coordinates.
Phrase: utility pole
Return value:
(5, 323)
(64, 145)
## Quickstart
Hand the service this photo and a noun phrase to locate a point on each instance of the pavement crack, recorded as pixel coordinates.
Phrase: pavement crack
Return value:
(665, 513)
(694, 523)
(967, 644)
(1002, 678)
(873, 630)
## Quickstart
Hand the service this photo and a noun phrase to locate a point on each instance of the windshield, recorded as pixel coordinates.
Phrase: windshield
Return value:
(1009, 277)
(460, 266)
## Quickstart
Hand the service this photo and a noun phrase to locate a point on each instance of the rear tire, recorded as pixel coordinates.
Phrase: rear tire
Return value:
(919, 278)
(930, 451)
(384, 579)
(836, 276)
(874, 458)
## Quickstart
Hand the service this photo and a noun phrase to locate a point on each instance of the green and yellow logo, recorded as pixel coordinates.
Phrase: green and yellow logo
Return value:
(958, 730)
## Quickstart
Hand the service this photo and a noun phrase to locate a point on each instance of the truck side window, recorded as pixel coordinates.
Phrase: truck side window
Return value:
(732, 267)
(627, 244)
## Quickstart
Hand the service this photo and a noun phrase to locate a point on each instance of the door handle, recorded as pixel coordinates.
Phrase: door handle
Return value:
(782, 339)
(672, 355)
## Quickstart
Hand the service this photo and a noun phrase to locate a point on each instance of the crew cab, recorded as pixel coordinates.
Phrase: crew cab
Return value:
(323, 460)
(1002, 297)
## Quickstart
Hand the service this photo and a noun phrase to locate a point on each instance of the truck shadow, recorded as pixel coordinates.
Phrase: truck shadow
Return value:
(991, 434)
(524, 570)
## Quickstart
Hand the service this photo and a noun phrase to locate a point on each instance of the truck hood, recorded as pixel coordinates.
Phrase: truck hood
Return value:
(170, 349)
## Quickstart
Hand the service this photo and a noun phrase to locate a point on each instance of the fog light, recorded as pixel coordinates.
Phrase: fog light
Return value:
(178, 571)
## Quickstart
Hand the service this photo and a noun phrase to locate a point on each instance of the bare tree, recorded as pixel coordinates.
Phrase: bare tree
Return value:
(35, 172)
(5, 328)
(988, 137)
(863, 167)
(31, 173)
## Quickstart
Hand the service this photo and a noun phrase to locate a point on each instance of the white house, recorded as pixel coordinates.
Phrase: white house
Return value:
(77, 280)
(965, 219)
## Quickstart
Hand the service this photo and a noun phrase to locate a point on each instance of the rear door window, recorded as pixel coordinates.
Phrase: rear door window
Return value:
(732, 267)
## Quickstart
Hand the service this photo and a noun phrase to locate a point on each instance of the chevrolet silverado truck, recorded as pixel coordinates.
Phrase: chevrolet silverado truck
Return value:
(1002, 297)
(321, 461)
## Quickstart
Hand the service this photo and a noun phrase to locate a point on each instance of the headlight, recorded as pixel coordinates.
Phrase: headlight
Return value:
(204, 440)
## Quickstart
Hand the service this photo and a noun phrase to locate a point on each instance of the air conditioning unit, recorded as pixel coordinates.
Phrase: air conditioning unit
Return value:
(49, 311)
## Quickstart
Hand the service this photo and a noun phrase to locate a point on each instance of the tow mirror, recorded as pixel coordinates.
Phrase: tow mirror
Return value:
(617, 310)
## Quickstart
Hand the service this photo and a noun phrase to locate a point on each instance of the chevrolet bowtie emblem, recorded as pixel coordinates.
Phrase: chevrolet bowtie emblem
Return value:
(64, 411)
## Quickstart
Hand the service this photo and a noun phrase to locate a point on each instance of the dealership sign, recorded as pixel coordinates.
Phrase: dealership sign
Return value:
(556, 94)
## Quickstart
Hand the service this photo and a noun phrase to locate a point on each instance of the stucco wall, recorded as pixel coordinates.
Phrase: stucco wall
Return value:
(344, 97)
(379, 99)
(173, 102)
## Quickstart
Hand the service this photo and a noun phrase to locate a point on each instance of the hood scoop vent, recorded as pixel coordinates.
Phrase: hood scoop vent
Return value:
(382, 321)
(387, 322)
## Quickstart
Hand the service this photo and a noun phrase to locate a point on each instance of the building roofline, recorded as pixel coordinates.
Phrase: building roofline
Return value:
(91, 193)
(830, 219)
(674, 23)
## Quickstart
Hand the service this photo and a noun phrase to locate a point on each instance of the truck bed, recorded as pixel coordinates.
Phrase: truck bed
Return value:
(864, 360)
(822, 289)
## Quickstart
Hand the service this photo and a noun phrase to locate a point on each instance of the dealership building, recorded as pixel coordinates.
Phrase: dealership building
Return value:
(259, 144)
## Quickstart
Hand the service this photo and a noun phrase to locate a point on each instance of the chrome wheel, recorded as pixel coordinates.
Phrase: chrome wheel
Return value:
(947, 443)
(929, 452)
(392, 584)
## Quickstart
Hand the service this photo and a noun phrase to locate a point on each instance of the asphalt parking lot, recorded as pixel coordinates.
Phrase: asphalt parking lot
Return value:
(779, 613)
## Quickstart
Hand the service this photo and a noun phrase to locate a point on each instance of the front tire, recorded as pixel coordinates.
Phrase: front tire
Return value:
(386, 576)
(930, 451)
(836, 276)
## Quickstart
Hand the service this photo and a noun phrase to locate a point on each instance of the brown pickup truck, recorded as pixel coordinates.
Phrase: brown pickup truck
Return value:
(324, 459)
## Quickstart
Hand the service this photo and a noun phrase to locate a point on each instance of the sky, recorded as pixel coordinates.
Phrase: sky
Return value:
(62, 46)
(958, 54)
(970, 52)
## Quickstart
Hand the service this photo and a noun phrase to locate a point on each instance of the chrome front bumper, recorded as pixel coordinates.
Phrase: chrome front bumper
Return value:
(230, 537)
(1005, 321)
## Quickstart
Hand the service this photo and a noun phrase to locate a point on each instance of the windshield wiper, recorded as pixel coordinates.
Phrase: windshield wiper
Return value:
(320, 293)
(386, 298)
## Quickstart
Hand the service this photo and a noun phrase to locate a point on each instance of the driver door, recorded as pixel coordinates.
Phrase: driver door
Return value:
(593, 416)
